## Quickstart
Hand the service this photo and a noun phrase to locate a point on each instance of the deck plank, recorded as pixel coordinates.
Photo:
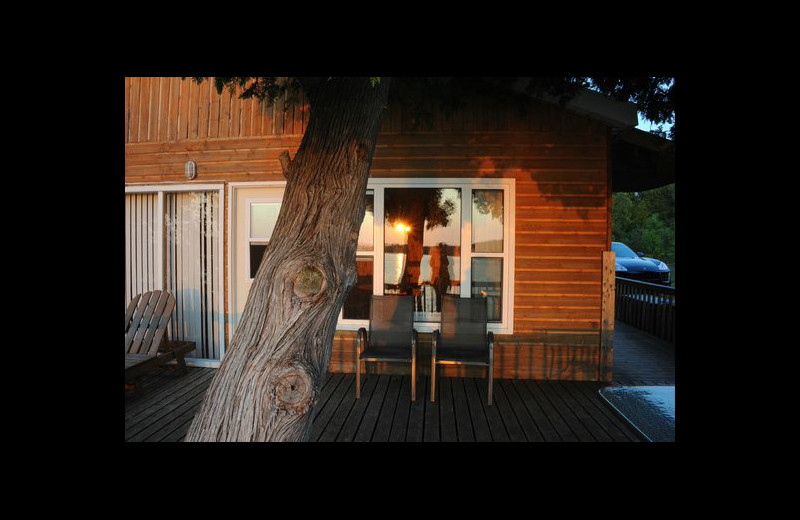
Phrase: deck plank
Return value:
(447, 418)
(526, 422)
(580, 414)
(522, 411)
(548, 430)
(328, 386)
(554, 394)
(496, 425)
(399, 426)
(480, 423)
(432, 430)
(506, 412)
(463, 420)
(383, 427)
(165, 402)
(416, 417)
(323, 424)
(601, 413)
(353, 420)
(371, 414)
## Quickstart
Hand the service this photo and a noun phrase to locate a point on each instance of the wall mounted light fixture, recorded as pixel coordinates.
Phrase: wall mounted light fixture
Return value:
(190, 169)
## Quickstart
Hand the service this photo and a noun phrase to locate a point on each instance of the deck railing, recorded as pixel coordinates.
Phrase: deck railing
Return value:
(646, 306)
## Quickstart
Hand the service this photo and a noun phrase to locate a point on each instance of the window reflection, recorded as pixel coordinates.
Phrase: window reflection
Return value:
(487, 221)
(356, 306)
(263, 216)
(487, 282)
(365, 238)
(422, 245)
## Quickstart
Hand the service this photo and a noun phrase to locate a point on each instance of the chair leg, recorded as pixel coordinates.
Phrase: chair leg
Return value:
(358, 378)
(181, 364)
(433, 380)
(491, 381)
(414, 379)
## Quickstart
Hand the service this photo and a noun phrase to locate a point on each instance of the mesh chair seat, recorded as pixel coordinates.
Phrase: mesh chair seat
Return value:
(462, 355)
(393, 353)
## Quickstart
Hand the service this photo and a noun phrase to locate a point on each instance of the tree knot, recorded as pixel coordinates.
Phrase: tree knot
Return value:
(293, 392)
(309, 282)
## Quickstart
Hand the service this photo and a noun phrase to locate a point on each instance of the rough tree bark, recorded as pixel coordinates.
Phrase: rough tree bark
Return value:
(267, 384)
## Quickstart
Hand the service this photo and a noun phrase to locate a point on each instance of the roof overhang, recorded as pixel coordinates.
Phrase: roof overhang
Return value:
(639, 160)
(619, 115)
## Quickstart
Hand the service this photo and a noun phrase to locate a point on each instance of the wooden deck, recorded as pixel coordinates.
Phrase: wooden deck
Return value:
(522, 410)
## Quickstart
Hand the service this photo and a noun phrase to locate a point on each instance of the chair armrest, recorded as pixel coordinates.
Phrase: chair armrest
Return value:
(361, 339)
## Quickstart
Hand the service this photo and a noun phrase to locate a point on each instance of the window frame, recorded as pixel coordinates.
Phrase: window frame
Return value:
(466, 185)
(353, 324)
(255, 241)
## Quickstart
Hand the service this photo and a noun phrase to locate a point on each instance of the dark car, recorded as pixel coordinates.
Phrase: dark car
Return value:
(637, 267)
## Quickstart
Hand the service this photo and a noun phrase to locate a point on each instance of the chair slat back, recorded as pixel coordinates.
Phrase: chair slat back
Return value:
(129, 311)
(147, 324)
(463, 322)
(391, 321)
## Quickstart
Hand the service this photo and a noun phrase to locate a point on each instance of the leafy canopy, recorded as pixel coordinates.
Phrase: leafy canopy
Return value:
(653, 96)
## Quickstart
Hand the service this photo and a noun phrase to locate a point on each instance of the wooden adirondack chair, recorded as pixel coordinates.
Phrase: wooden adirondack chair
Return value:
(146, 321)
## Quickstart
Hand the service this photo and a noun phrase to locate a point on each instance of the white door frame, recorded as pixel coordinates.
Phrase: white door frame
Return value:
(161, 189)
(233, 187)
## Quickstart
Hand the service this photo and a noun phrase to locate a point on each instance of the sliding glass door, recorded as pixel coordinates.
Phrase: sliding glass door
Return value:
(173, 243)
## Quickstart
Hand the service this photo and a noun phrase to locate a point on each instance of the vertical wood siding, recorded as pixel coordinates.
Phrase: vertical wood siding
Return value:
(559, 160)
(175, 109)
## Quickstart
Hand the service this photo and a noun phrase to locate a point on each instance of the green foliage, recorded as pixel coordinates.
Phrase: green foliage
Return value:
(645, 221)
(653, 96)
(266, 89)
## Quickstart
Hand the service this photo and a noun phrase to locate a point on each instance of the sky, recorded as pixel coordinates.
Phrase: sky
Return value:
(646, 125)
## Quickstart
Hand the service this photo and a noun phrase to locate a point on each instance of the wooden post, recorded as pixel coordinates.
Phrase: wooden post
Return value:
(607, 316)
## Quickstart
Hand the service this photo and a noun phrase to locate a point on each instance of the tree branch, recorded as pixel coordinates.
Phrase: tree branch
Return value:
(286, 162)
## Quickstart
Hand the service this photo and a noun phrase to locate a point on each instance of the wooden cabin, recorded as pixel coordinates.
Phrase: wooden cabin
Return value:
(529, 223)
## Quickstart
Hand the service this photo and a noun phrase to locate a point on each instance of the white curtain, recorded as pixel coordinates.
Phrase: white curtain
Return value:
(141, 244)
(192, 231)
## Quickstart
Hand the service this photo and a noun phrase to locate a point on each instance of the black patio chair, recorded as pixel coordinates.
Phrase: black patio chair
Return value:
(464, 339)
(391, 337)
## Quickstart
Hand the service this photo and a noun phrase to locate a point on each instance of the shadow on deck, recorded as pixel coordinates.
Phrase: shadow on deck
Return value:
(523, 410)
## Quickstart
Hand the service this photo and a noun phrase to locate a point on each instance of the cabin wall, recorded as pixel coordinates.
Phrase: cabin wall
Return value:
(562, 210)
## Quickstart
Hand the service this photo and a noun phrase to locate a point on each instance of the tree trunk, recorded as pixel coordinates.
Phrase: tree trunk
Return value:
(267, 384)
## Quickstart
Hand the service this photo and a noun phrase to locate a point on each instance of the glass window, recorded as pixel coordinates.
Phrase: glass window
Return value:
(422, 245)
(356, 306)
(487, 249)
(263, 216)
(487, 282)
(487, 221)
(256, 254)
(365, 235)
(622, 250)
(430, 237)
